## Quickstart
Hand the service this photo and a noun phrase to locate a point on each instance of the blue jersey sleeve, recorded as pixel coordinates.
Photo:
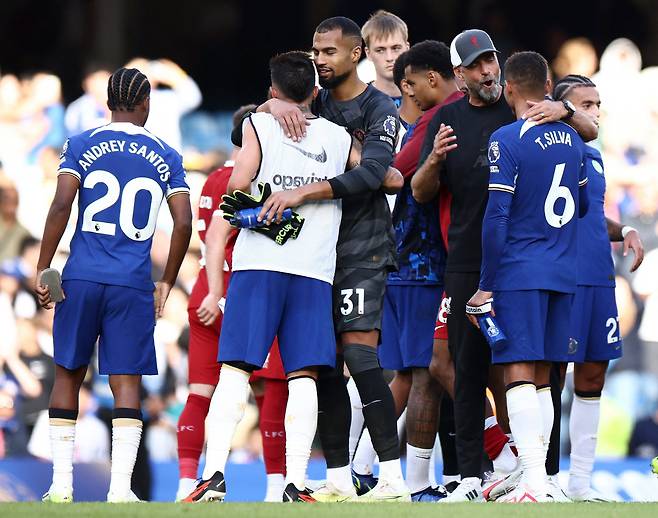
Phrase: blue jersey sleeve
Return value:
(67, 162)
(583, 196)
(177, 181)
(502, 183)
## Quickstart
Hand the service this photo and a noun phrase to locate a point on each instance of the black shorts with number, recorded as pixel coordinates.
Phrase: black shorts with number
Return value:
(359, 299)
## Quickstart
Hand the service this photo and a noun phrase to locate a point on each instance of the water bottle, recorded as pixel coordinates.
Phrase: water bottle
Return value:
(248, 218)
(491, 330)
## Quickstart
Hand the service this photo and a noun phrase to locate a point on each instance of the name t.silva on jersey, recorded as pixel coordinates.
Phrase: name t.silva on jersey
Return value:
(94, 152)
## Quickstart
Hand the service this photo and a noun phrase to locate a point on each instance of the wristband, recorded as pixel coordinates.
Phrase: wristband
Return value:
(626, 229)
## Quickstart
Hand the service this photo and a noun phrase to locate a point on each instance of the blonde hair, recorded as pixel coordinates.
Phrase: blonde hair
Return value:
(382, 24)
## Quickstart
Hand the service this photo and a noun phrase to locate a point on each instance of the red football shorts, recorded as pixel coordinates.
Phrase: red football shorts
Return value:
(273, 368)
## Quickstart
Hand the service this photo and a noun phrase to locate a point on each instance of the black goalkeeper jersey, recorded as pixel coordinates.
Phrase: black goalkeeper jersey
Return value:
(366, 238)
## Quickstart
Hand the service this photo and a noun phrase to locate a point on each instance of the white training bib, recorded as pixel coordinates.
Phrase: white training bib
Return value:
(286, 165)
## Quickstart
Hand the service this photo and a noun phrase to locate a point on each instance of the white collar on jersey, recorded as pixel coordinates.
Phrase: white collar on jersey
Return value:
(229, 163)
(128, 127)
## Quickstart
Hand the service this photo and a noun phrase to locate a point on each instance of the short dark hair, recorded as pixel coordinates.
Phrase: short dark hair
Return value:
(293, 73)
(398, 69)
(127, 88)
(347, 27)
(431, 55)
(569, 82)
(527, 69)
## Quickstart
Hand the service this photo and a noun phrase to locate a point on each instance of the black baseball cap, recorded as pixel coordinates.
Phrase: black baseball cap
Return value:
(468, 46)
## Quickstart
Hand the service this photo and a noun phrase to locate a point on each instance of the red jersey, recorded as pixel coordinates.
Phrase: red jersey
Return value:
(209, 202)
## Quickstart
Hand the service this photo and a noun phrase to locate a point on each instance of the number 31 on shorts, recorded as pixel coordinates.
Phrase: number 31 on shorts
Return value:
(348, 304)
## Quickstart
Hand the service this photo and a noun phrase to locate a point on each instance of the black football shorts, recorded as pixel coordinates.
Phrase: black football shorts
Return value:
(359, 299)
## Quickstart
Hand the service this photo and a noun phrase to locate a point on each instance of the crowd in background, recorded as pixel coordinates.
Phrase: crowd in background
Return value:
(34, 124)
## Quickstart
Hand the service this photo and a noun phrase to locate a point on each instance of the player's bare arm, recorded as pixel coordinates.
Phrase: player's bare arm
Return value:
(58, 217)
(216, 237)
(552, 111)
(181, 213)
(289, 115)
(631, 239)
(425, 183)
(246, 163)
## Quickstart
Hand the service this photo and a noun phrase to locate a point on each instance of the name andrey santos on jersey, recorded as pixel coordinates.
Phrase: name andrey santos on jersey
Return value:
(118, 146)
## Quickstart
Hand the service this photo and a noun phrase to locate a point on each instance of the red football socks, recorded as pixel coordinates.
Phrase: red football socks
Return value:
(272, 426)
(190, 433)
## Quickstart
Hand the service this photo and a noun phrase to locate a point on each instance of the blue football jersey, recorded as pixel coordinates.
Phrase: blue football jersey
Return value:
(595, 264)
(542, 167)
(124, 173)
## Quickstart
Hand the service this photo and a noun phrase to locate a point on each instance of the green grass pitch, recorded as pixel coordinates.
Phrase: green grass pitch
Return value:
(152, 510)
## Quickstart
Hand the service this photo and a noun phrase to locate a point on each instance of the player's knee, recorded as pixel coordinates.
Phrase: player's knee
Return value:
(360, 358)
(303, 373)
(589, 380)
(201, 389)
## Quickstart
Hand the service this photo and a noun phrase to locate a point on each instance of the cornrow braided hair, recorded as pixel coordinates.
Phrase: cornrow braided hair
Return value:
(127, 88)
(564, 85)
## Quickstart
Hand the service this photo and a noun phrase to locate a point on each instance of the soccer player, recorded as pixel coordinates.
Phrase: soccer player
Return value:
(282, 290)
(454, 155)
(594, 318)
(218, 238)
(413, 293)
(121, 173)
(537, 191)
(365, 254)
(386, 37)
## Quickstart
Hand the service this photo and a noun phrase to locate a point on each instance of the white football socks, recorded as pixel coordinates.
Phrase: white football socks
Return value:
(583, 428)
(275, 487)
(547, 414)
(418, 465)
(365, 455)
(390, 471)
(62, 442)
(301, 422)
(356, 425)
(341, 479)
(525, 418)
(227, 408)
(126, 434)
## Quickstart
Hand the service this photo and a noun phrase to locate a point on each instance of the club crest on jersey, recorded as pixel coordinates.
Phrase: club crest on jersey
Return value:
(597, 166)
(494, 152)
(390, 125)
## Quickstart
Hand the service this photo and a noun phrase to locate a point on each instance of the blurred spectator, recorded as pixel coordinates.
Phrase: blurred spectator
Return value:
(576, 56)
(42, 113)
(42, 368)
(92, 439)
(12, 231)
(89, 110)
(173, 94)
(644, 438)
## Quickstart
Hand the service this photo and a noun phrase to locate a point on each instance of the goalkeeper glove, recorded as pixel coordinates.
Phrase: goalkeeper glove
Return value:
(278, 232)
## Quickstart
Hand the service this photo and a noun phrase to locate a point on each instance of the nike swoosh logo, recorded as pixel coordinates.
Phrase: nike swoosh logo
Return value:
(346, 320)
(375, 401)
(321, 157)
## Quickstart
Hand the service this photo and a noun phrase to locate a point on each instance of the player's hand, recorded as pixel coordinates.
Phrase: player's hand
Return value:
(43, 293)
(444, 142)
(276, 203)
(290, 117)
(545, 111)
(160, 296)
(633, 242)
(480, 298)
(208, 311)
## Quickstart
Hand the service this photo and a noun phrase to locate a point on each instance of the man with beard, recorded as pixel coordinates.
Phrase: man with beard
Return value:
(365, 253)
(465, 173)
